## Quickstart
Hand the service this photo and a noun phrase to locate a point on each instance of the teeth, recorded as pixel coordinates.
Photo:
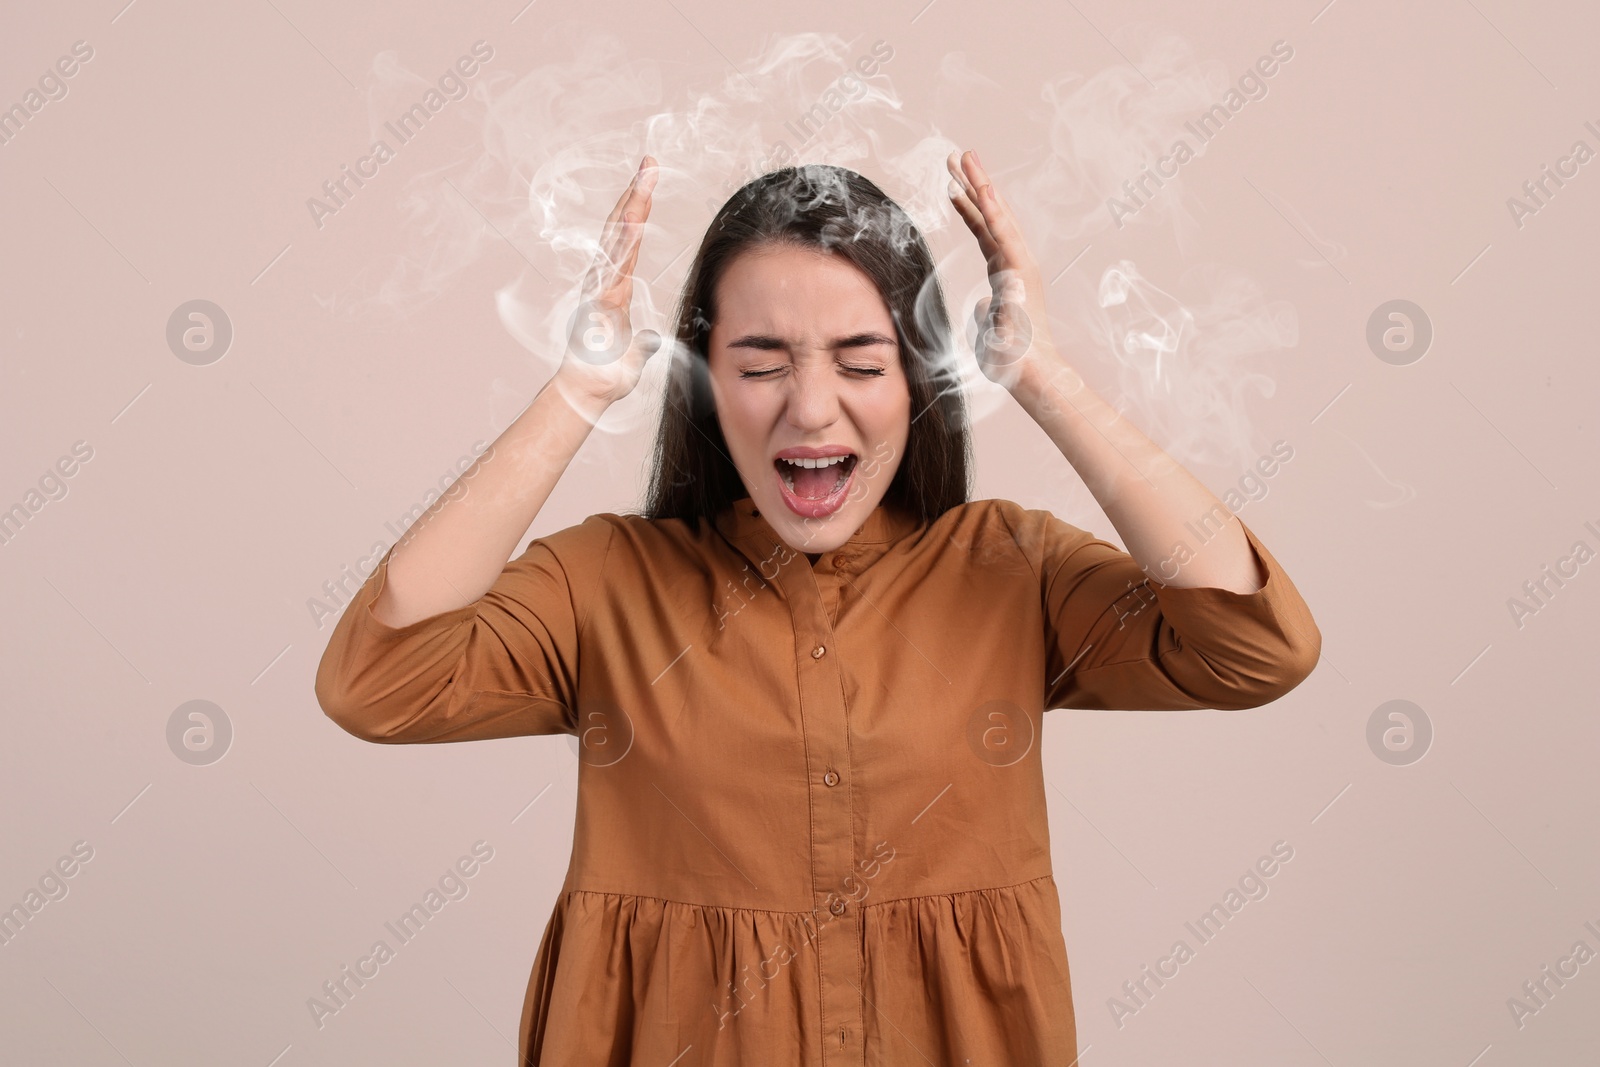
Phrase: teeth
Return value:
(786, 470)
(826, 462)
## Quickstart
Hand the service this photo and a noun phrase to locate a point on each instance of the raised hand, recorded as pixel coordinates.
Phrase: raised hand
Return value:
(1014, 343)
(604, 358)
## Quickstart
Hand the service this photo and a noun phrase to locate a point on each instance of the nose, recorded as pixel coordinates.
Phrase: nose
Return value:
(813, 399)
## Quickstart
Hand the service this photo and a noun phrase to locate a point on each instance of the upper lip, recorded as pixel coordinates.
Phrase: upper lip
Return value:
(802, 452)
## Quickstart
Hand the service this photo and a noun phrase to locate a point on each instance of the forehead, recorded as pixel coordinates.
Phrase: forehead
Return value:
(797, 293)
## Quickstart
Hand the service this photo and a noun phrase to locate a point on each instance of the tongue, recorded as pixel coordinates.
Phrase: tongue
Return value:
(814, 483)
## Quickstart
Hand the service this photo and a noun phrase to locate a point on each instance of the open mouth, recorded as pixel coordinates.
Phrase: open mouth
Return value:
(815, 487)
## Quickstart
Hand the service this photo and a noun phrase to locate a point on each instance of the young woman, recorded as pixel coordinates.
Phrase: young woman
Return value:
(808, 682)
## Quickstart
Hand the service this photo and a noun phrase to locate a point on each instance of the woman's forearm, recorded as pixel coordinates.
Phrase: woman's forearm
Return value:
(1156, 505)
(452, 554)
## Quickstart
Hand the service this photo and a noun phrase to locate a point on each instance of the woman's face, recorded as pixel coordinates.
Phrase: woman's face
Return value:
(803, 361)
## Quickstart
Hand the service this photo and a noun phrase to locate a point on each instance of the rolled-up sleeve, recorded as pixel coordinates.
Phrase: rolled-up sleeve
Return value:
(503, 666)
(1116, 639)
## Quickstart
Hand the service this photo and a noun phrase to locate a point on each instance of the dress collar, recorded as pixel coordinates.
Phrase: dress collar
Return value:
(742, 524)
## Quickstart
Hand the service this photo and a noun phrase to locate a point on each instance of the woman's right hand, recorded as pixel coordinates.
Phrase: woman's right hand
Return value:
(604, 358)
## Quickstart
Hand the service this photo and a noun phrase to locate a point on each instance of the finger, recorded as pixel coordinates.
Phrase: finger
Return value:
(635, 201)
(625, 201)
(964, 168)
(980, 313)
(951, 164)
(615, 231)
(980, 188)
(993, 320)
(613, 280)
(1003, 229)
(980, 229)
(958, 170)
(649, 343)
(973, 218)
(1002, 224)
(637, 217)
(968, 204)
(624, 271)
(614, 240)
(635, 242)
(960, 178)
(605, 250)
(624, 236)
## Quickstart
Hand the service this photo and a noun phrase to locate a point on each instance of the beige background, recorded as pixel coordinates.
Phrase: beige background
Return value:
(370, 353)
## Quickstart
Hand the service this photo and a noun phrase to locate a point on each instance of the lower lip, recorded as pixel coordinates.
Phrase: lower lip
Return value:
(820, 508)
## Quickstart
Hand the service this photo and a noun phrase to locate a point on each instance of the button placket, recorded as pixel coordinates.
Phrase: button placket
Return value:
(812, 598)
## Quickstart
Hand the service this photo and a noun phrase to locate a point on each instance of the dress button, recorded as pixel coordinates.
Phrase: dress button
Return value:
(832, 777)
(837, 907)
(816, 653)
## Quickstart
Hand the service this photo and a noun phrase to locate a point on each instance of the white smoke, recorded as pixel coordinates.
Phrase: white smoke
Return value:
(561, 141)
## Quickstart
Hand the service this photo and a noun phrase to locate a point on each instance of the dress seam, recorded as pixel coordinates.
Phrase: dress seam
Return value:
(960, 892)
(776, 911)
(669, 900)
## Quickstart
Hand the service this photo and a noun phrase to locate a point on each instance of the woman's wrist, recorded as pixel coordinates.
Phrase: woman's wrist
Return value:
(587, 398)
(1047, 385)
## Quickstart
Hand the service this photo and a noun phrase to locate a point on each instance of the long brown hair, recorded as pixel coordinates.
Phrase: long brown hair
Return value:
(835, 210)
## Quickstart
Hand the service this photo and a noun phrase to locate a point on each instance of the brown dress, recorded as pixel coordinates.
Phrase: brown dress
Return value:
(811, 822)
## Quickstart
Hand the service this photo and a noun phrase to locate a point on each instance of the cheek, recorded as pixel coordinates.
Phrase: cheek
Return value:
(744, 424)
(891, 419)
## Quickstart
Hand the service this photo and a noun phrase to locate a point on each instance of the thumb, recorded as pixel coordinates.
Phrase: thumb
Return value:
(649, 342)
(980, 313)
(646, 343)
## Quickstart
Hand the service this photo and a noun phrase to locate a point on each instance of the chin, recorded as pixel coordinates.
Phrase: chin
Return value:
(819, 521)
(810, 533)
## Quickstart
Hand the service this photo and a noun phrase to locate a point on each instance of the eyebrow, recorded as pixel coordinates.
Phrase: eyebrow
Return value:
(767, 342)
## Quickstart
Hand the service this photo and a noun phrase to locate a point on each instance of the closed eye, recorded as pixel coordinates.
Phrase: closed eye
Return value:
(871, 372)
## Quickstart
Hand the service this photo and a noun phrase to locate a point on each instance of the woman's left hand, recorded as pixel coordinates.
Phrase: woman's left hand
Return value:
(1014, 347)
